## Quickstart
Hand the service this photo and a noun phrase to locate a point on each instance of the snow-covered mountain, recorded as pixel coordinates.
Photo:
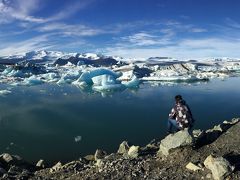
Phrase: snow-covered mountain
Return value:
(92, 58)
(54, 56)
(50, 55)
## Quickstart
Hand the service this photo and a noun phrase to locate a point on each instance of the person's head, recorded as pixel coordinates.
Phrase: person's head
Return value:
(178, 98)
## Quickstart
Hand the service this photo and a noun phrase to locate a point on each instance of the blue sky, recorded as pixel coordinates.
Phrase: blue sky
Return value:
(128, 28)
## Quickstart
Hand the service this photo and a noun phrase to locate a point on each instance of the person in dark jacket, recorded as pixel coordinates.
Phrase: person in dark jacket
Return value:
(180, 116)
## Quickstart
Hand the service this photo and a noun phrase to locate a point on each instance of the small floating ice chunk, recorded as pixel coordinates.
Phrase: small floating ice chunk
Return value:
(32, 80)
(50, 77)
(5, 92)
(78, 138)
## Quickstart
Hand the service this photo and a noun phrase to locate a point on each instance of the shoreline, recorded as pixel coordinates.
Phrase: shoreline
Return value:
(177, 156)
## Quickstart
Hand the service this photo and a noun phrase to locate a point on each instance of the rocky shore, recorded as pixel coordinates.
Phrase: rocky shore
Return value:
(211, 154)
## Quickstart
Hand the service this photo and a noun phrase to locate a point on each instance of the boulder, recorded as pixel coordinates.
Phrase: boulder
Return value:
(216, 128)
(192, 167)
(232, 122)
(174, 141)
(40, 164)
(6, 157)
(73, 165)
(219, 167)
(123, 148)
(12, 159)
(89, 157)
(198, 133)
(99, 154)
(56, 167)
(133, 151)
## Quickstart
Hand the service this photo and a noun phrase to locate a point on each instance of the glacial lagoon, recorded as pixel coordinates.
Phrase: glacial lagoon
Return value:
(53, 122)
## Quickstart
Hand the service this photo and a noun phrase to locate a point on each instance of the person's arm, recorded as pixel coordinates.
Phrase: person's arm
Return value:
(172, 115)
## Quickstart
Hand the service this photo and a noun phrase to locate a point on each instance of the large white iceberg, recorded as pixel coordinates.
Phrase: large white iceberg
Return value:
(106, 82)
(88, 75)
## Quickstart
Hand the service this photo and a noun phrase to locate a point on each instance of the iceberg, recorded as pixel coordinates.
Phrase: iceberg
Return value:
(32, 80)
(106, 82)
(88, 75)
(69, 77)
(11, 72)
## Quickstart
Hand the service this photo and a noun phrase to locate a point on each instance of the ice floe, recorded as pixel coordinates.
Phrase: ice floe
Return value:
(5, 92)
(77, 138)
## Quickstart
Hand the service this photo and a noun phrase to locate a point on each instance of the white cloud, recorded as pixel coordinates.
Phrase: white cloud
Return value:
(70, 30)
(184, 49)
(11, 10)
(181, 27)
(198, 30)
(70, 10)
(146, 39)
(141, 39)
(232, 23)
(36, 43)
(22, 10)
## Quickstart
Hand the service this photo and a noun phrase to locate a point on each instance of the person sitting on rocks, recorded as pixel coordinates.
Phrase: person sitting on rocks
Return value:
(180, 116)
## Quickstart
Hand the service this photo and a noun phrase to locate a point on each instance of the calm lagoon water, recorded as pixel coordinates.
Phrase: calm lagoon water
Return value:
(64, 123)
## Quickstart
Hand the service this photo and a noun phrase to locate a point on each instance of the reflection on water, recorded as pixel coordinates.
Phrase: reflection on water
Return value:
(64, 122)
